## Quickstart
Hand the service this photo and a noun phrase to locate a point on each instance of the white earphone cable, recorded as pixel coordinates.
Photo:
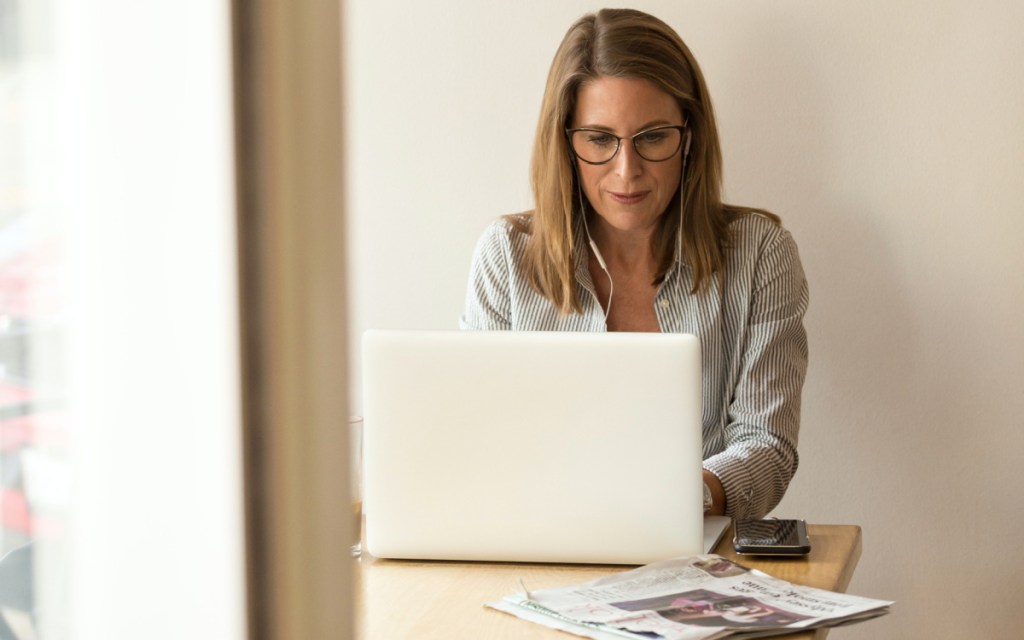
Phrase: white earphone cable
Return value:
(597, 252)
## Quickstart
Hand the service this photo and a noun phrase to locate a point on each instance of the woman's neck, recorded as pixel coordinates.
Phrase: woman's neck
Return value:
(628, 250)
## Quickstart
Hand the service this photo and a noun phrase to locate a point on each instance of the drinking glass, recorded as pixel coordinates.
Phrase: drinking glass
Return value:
(355, 466)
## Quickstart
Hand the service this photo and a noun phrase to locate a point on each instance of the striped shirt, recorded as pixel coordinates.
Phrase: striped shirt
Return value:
(750, 326)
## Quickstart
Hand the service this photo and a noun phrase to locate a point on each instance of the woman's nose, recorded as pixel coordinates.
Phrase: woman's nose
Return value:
(628, 162)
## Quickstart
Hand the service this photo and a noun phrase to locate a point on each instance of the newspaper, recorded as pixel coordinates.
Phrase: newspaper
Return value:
(700, 597)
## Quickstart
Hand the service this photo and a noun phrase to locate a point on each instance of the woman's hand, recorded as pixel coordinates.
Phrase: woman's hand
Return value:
(717, 494)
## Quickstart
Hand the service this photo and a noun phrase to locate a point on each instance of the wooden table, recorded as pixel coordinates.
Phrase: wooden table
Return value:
(398, 599)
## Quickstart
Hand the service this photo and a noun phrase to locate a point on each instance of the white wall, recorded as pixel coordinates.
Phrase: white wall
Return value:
(889, 137)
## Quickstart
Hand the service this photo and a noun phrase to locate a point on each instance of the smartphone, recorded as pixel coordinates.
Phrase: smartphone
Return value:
(771, 537)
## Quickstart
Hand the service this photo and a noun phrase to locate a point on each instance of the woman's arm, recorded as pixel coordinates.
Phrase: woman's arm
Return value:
(760, 455)
(488, 299)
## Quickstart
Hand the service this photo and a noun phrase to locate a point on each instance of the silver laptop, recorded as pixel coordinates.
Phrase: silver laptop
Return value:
(532, 447)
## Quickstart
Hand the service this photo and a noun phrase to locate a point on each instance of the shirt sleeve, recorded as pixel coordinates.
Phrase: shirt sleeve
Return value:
(488, 295)
(760, 455)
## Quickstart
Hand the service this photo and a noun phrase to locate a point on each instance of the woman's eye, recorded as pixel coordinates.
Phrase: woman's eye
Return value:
(653, 137)
(601, 139)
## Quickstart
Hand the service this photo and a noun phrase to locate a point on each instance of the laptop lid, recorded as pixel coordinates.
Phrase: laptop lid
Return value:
(533, 447)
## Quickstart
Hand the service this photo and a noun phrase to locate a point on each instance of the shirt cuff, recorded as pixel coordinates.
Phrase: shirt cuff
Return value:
(731, 471)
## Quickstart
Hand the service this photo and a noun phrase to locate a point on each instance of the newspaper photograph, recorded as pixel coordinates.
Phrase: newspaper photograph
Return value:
(688, 599)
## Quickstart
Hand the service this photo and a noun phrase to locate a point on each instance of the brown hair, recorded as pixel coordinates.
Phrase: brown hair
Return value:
(631, 44)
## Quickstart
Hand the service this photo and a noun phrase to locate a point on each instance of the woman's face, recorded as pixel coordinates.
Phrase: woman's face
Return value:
(628, 192)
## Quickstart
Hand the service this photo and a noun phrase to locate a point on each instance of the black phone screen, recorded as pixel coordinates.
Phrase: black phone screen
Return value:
(772, 536)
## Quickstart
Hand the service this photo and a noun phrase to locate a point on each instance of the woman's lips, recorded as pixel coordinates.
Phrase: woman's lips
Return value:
(628, 198)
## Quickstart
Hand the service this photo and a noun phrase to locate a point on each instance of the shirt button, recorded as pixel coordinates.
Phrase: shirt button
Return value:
(664, 303)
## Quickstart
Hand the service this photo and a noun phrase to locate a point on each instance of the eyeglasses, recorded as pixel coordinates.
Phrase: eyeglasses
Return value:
(595, 146)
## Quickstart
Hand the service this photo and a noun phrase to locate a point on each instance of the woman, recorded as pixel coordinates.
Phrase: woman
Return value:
(629, 233)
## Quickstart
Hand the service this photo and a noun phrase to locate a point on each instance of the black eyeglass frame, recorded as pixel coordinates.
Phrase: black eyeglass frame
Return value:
(618, 142)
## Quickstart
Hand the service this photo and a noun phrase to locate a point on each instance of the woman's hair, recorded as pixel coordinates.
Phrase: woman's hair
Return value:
(624, 43)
